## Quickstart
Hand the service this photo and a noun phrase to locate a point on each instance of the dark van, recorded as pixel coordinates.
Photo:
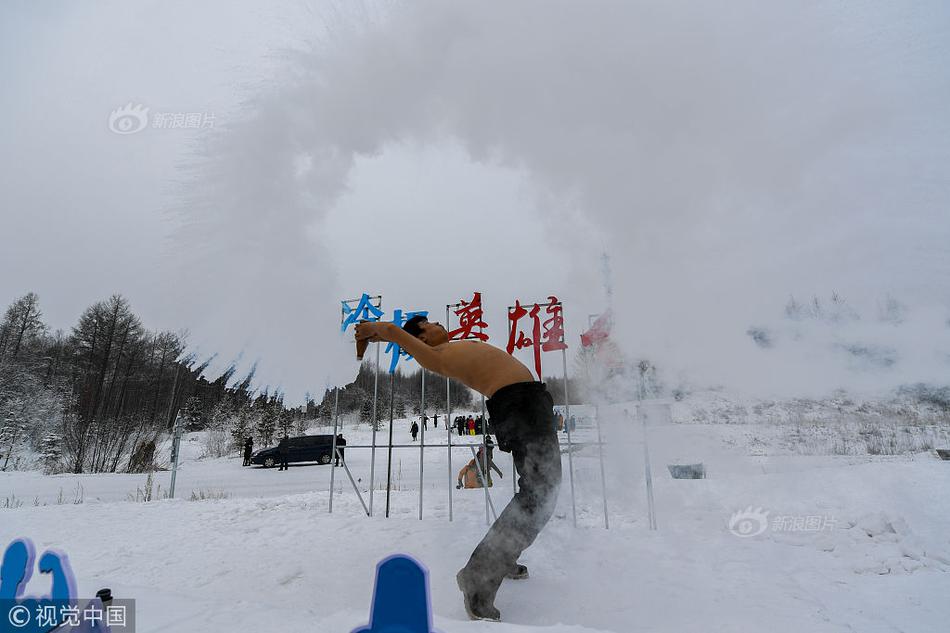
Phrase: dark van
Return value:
(305, 448)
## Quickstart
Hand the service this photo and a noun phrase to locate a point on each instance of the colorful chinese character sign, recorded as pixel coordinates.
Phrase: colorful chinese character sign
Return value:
(391, 348)
(471, 324)
(365, 310)
(544, 336)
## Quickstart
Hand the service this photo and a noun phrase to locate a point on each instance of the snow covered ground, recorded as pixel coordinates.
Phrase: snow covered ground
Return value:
(850, 543)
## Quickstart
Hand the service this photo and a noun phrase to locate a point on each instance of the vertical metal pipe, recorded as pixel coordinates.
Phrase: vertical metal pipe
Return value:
(389, 461)
(651, 507)
(422, 441)
(176, 453)
(448, 425)
(514, 470)
(372, 457)
(603, 475)
(567, 425)
(488, 507)
(336, 420)
(485, 464)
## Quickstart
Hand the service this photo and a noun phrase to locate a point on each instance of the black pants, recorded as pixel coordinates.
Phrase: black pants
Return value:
(523, 417)
(283, 461)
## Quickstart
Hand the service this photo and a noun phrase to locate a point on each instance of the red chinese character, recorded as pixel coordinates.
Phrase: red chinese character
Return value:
(553, 337)
(470, 317)
(514, 315)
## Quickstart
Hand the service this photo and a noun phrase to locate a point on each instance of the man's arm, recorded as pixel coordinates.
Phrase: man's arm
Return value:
(428, 357)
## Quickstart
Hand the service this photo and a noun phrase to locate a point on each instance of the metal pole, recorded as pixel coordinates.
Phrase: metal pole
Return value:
(336, 424)
(567, 425)
(600, 441)
(353, 482)
(422, 441)
(603, 476)
(389, 461)
(176, 444)
(485, 463)
(372, 458)
(448, 425)
(514, 469)
(646, 465)
(485, 453)
(484, 477)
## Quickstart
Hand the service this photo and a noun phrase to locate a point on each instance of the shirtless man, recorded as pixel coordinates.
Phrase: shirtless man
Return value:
(522, 413)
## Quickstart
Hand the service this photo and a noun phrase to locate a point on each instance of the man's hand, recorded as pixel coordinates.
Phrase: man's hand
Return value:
(372, 331)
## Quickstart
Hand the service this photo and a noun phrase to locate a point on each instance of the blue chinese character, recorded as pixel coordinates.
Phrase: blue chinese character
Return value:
(394, 349)
(364, 311)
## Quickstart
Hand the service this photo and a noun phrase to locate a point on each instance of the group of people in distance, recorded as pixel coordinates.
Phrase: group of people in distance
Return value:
(464, 425)
(469, 425)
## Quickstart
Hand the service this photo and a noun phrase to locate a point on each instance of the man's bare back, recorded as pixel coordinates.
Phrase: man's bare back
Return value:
(483, 367)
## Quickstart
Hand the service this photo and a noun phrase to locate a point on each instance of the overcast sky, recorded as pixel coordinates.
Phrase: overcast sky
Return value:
(727, 155)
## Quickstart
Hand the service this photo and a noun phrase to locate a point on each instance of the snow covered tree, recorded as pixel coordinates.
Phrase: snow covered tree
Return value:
(22, 324)
(51, 452)
(285, 422)
(267, 425)
(366, 411)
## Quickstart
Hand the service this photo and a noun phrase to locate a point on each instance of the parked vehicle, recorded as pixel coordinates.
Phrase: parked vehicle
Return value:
(305, 448)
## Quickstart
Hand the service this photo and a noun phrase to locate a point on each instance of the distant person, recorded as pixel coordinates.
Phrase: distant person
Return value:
(340, 446)
(560, 422)
(460, 425)
(471, 425)
(425, 422)
(283, 452)
(414, 430)
(435, 421)
(573, 422)
(248, 450)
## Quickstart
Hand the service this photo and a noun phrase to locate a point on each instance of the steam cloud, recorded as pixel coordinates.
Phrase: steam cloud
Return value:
(729, 155)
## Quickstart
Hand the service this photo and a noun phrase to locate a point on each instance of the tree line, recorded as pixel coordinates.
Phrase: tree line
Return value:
(100, 397)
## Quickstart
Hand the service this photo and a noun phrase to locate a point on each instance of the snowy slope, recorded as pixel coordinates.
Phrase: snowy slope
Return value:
(271, 557)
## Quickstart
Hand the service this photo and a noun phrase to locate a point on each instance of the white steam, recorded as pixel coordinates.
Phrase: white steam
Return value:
(731, 153)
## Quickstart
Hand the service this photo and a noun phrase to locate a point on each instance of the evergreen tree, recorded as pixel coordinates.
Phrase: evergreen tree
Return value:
(266, 425)
(366, 411)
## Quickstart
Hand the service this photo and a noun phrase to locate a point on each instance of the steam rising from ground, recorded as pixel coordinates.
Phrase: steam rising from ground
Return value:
(729, 155)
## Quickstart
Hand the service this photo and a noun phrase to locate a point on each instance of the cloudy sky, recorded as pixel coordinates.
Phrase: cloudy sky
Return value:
(727, 156)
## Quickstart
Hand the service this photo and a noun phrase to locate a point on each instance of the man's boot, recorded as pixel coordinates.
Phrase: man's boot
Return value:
(479, 602)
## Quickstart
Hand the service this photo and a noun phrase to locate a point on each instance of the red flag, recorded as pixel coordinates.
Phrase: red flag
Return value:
(599, 331)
